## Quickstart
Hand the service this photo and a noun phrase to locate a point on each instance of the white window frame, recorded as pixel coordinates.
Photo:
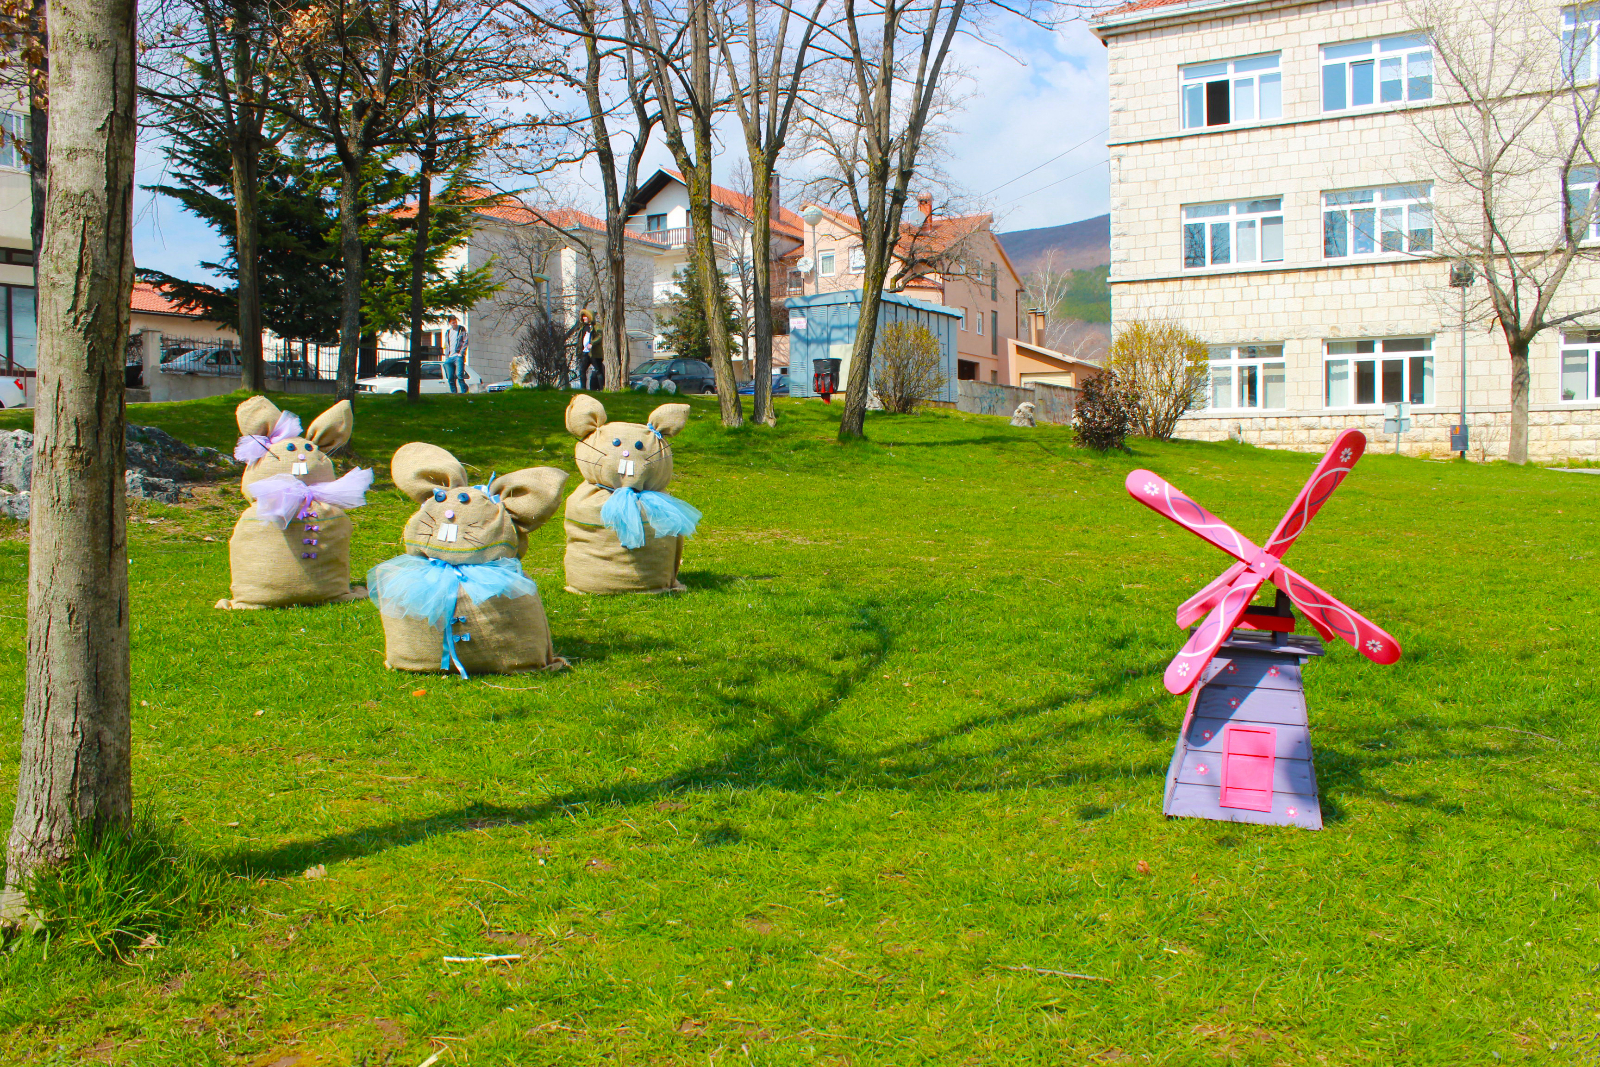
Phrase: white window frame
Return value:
(1246, 378)
(1579, 369)
(1342, 372)
(1250, 89)
(1582, 183)
(1250, 230)
(825, 263)
(1368, 74)
(857, 257)
(16, 134)
(1580, 37)
(1367, 220)
(963, 323)
(979, 318)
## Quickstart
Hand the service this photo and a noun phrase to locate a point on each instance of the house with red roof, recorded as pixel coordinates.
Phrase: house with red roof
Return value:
(661, 213)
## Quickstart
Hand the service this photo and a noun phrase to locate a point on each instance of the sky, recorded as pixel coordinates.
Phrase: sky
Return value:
(1029, 145)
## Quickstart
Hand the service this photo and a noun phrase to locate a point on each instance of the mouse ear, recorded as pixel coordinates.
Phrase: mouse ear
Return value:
(419, 468)
(257, 416)
(670, 419)
(531, 495)
(331, 429)
(585, 415)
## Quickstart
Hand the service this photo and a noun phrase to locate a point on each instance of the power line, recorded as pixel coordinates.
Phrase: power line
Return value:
(1058, 181)
(1047, 162)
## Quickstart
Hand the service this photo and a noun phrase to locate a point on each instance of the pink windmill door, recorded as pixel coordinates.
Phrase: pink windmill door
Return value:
(1248, 755)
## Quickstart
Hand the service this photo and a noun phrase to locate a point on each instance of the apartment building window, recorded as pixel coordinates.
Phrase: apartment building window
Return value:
(652, 223)
(963, 319)
(1244, 231)
(15, 135)
(1372, 373)
(1579, 31)
(1247, 377)
(994, 333)
(1581, 183)
(1363, 222)
(994, 281)
(21, 328)
(1580, 365)
(825, 264)
(1389, 70)
(858, 260)
(1221, 94)
(979, 318)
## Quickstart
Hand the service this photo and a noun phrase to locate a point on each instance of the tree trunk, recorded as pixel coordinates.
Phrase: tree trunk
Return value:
(700, 218)
(853, 419)
(1517, 438)
(38, 129)
(419, 262)
(350, 298)
(613, 311)
(245, 214)
(761, 288)
(75, 718)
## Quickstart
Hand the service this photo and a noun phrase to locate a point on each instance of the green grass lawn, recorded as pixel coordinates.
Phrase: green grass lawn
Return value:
(895, 758)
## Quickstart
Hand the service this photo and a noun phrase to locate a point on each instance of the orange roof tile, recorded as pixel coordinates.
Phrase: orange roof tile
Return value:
(1138, 5)
(787, 222)
(151, 300)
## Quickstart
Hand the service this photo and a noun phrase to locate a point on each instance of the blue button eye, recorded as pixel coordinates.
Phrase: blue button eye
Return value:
(439, 495)
(289, 446)
(615, 441)
(638, 445)
(310, 447)
(464, 498)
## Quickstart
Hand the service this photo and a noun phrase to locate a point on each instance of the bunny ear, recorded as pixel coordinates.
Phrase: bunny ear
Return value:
(585, 415)
(531, 495)
(419, 468)
(670, 419)
(257, 416)
(331, 429)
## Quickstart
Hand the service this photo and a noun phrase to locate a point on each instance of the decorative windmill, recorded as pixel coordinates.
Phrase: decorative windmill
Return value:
(1244, 753)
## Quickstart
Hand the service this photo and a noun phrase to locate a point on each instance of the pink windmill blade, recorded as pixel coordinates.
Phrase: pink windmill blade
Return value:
(1190, 662)
(1345, 452)
(1332, 618)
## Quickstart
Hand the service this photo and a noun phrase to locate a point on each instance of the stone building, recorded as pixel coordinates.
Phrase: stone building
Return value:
(1263, 194)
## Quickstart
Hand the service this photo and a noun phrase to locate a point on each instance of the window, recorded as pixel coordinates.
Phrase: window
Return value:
(994, 333)
(1370, 373)
(14, 132)
(994, 281)
(653, 223)
(1390, 70)
(979, 317)
(1581, 183)
(22, 329)
(825, 264)
(858, 260)
(1220, 94)
(966, 370)
(1247, 231)
(994, 377)
(1580, 365)
(963, 319)
(1364, 222)
(1578, 35)
(1245, 377)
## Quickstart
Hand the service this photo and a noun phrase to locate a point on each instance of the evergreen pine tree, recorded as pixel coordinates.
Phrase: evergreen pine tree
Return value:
(684, 332)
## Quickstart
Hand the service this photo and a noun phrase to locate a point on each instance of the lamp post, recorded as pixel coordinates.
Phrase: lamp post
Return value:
(812, 215)
(1461, 277)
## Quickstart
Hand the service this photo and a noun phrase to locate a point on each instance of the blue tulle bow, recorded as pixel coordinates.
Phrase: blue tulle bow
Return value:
(423, 588)
(669, 516)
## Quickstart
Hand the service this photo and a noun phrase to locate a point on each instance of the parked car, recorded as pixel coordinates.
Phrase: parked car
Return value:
(780, 386)
(689, 375)
(296, 370)
(391, 378)
(217, 361)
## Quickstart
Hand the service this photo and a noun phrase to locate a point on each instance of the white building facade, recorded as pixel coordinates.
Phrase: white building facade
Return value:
(1263, 194)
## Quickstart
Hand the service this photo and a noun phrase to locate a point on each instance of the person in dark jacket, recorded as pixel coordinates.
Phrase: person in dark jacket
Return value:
(591, 365)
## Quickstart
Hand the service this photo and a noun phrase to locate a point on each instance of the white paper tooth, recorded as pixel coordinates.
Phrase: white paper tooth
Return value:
(630, 468)
(300, 467)
(447, 531)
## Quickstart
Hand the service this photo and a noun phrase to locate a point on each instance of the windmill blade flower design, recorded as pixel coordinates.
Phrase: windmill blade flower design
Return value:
(1222, 605)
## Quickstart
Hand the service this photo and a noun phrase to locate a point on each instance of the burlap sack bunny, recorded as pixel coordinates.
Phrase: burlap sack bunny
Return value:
(624, 534)
(292, 544)
(458, 600)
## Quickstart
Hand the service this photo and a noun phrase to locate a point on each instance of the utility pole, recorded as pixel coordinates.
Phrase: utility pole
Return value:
(1461, 277)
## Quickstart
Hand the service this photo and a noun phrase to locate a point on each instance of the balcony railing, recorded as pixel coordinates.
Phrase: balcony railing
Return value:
(676, 237)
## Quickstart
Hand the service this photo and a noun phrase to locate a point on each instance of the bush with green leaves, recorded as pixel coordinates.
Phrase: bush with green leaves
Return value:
(124, 888)
(907, 368)
(1103, 415)
(1165, 368)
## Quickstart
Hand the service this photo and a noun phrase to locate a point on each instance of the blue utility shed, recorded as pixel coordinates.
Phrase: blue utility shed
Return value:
(823, 326)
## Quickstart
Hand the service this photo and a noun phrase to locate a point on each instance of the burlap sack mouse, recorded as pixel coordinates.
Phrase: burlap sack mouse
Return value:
(458, 600)
(292, 544)
(624, 533)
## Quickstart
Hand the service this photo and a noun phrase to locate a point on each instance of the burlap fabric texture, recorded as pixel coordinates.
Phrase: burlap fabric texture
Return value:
(498, 635)
(280, 568)
(611, 455)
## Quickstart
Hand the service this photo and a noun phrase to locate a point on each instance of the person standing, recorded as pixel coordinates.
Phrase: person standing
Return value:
(455, 355)
(591, 367)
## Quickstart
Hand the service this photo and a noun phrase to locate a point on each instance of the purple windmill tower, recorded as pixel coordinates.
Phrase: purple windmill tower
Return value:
(1244, 753)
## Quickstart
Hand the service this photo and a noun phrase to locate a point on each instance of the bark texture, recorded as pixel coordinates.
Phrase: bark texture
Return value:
(75, 730)
(350, 220)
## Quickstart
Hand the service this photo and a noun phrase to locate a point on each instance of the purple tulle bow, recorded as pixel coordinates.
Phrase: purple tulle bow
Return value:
(283, 498)
(252, 446)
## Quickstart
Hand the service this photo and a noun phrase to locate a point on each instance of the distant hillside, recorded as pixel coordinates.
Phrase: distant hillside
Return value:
(1077, 245)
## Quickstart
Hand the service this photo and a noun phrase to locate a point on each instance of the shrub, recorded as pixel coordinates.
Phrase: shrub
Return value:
(907, 371)
(542, 357)
(1103, 414)
(1165, 367)
(127, 886)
